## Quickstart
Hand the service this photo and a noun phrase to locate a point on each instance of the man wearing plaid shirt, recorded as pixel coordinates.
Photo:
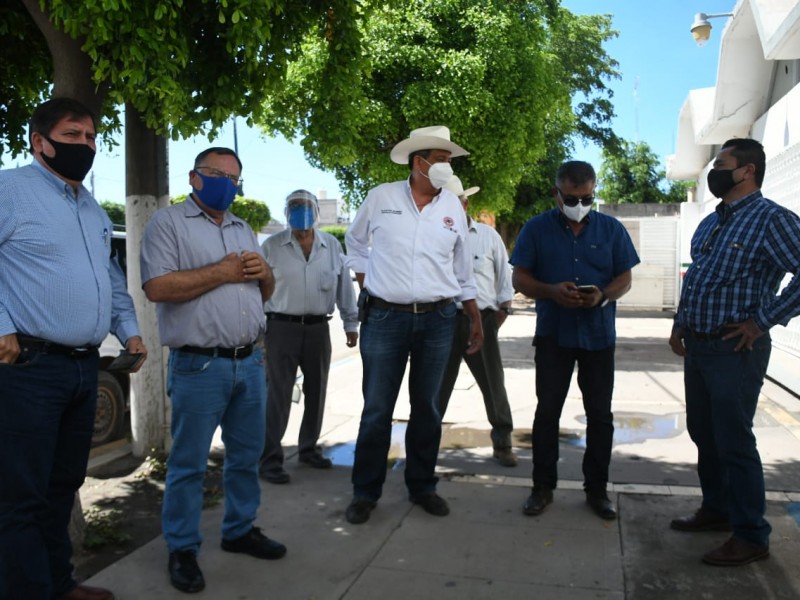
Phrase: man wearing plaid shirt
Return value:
(729, 301)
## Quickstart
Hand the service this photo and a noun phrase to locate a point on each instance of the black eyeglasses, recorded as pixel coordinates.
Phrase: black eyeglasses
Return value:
(573, 200)
(217, 173)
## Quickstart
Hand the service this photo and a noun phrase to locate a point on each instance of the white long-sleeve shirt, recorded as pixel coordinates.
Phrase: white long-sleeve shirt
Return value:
(490, 263)
(415, 256)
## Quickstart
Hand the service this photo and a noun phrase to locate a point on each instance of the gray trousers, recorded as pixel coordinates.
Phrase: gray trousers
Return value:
(486, 366)
(289, 346)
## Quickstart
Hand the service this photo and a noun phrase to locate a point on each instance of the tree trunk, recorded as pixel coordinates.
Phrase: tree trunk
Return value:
(72, 68)
(147, 190)
(77, 525)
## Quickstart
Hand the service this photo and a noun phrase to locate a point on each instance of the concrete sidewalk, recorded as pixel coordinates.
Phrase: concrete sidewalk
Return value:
(486, 548)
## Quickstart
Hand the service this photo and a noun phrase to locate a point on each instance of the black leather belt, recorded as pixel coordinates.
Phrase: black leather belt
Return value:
(705, 337)
(416, 307)
(238, 352)
(34, 344)
(302, 319)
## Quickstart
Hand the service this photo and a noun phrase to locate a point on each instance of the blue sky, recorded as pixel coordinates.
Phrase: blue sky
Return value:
(654, 48)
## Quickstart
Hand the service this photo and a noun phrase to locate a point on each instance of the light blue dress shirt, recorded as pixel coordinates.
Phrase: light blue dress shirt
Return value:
(57, 278)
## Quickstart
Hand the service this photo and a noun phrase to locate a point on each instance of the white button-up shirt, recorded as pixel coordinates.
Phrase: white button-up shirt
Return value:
(415, 256)
(490, 263)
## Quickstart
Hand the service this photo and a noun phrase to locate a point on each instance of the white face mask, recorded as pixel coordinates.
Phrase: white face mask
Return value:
(575, 213)
(439, 174)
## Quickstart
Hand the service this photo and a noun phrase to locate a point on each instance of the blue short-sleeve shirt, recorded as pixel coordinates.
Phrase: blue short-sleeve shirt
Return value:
(552, 253)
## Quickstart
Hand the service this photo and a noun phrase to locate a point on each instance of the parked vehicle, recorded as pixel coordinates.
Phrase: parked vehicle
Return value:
(113, 389)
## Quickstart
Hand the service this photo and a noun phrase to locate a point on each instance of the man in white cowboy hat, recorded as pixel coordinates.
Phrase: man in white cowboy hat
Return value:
(419, 264)
(493, 277)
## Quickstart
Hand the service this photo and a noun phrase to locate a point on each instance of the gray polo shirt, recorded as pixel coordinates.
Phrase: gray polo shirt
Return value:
(313, 286)
(182, 237)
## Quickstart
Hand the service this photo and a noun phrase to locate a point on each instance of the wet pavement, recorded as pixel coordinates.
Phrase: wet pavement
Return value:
(486, 548)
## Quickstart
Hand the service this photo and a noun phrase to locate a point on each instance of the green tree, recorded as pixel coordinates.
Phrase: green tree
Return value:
(631, 175)
(678, 191)
(115, 210)
(255, 212)
(502, 75)
(186, 67)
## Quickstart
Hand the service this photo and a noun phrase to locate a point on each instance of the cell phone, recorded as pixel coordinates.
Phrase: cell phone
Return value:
(126, 361)
(586, 289)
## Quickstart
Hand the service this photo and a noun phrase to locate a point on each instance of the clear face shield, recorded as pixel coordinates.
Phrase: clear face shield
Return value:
(302, 211)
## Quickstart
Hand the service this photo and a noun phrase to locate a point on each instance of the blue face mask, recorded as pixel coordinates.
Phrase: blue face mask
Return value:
(301, 217)
(217, 193)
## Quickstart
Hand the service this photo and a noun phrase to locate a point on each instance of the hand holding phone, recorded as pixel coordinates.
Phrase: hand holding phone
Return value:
(587, 289)
(126, 362)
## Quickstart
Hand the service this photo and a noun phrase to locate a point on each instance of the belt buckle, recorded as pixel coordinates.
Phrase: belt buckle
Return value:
(237, 350)
(302, 319)
(414, 306)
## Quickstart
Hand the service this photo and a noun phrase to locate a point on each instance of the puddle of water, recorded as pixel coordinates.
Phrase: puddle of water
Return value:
(344, 454)
(633, 428)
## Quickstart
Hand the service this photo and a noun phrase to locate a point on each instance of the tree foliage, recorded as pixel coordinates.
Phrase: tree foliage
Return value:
(255, 212)
(634, 175)
(502, 75)
(115, 211)
(185, 66)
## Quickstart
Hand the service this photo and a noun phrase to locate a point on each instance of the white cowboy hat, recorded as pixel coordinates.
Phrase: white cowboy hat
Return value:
(436, 137)
(455, 186)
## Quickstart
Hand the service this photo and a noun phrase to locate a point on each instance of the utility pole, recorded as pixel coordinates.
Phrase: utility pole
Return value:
(240, 189)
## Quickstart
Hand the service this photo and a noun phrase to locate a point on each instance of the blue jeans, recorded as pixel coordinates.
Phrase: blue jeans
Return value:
(207, 392)
(554, 367)
(722, 388)
(387, 339)
(47, 407)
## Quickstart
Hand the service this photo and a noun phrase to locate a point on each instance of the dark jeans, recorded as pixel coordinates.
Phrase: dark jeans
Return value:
(289, 346)
(486, 367)
(554, 367)
(47, 405)
(387, 340)
(722, 389)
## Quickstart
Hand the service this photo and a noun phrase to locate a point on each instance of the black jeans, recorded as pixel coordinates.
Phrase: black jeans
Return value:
(554, 367)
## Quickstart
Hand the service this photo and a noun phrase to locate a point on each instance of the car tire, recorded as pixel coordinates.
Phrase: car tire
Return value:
(109, 417)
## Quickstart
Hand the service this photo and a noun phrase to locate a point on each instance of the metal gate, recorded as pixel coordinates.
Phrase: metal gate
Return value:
(656, 279)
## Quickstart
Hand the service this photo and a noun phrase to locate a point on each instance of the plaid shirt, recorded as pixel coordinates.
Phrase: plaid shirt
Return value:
(740, 254)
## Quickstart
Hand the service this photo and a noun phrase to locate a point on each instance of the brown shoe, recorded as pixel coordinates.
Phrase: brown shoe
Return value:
(505, 457)
(702, 520)
(736, 552)
(85, 592)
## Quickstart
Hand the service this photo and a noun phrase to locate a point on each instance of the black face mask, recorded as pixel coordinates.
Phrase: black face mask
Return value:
(720, 181)
(72, 161)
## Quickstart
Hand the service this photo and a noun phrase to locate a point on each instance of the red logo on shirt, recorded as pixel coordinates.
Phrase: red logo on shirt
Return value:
(448, 221)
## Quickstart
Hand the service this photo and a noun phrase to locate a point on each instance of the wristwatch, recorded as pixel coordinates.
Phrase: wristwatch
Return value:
(506, 309)
(603, 300)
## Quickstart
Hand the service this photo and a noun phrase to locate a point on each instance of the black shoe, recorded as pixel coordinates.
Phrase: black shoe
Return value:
(184, 574)
(601, 505)
(432, 504)
(359, 510)
(277, 476)
(539, 499)
(316, 460)
(701, 520)
(255, 544)
(735, 553)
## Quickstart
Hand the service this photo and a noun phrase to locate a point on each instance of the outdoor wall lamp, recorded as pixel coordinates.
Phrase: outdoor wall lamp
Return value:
(701, 28)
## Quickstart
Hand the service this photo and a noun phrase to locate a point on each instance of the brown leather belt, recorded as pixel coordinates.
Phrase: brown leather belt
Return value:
(34, 344)
(416, 307)
(236, 353)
